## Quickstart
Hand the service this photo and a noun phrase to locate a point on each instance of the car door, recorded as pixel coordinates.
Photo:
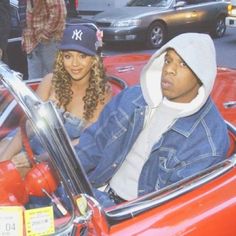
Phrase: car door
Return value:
(184, 18)
(206, 12)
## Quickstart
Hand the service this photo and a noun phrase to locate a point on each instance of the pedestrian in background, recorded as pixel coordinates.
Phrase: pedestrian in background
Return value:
(45, 22)
(5, 26)
(22, 4)
(71, 8)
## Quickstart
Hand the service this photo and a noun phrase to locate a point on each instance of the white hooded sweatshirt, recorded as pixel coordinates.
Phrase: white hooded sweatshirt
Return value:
(198, 52)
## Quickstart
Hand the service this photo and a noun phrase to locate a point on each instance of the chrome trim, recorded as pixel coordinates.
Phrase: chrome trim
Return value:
(33, 81)
(230, 127)
(119, 81)
(230, 104)
(7, 112)
(12, 40)
(122, 69)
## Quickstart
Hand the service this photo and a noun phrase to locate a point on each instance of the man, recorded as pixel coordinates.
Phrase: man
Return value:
(161, 131)
(5, 26)
(45, 22)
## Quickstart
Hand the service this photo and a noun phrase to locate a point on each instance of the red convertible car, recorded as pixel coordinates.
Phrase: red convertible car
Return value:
(203, 204)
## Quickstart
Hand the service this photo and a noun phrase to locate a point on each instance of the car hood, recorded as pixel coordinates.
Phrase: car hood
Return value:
(126, 12)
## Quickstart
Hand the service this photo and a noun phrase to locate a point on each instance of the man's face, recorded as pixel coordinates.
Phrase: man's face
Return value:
(178, 82)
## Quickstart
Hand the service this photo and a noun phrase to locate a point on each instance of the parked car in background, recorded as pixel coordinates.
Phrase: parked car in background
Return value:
(230, 20)
(153, 22)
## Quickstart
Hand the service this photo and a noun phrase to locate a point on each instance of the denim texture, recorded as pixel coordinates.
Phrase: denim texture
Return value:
(41, 59)
(192, 144)
(73, 125)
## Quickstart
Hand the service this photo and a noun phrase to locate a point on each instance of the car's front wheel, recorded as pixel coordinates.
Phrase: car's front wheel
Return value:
(220, 27)
(156, 35)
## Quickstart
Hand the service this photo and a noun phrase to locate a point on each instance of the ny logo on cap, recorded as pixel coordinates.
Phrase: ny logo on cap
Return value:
(77, 34)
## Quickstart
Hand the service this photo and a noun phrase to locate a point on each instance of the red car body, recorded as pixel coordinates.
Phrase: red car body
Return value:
(204, 204)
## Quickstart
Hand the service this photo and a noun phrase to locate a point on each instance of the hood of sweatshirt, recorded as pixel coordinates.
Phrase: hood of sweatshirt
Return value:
(198, 52)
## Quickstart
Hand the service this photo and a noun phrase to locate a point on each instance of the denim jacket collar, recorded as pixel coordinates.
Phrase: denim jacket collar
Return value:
(139, 101)
(186, 125)
(183, 125)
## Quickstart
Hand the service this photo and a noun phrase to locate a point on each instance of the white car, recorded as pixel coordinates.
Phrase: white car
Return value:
(230, 20)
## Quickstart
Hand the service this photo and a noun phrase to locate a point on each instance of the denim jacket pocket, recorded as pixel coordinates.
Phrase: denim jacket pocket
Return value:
(118, 124)
(168, 164)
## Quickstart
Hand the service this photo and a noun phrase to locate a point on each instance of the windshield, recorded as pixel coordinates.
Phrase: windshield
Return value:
(148, 3)
(45, 185)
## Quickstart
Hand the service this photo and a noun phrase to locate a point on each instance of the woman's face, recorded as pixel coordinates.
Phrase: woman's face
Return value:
(77, 64)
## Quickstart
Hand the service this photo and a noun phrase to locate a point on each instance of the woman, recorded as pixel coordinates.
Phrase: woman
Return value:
(77, 86)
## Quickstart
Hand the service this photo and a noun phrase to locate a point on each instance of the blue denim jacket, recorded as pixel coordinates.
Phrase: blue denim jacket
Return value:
(192, 144)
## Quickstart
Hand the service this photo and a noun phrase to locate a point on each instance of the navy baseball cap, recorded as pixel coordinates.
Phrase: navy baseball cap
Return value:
(80, 38)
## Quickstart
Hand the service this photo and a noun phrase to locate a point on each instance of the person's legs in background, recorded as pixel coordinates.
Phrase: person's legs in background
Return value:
(48, 53)
(41, 59)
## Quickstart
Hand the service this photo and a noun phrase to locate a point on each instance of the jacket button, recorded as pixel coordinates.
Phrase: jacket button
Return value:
(114, 165)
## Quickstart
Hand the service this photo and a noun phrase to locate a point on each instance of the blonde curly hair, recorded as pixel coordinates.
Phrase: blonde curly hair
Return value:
(95, 93)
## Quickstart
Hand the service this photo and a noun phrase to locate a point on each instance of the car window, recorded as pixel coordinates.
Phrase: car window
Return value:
(191, 2)
(154, 3)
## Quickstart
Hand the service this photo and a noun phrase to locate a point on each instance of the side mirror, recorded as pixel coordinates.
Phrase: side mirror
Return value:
(180, 4)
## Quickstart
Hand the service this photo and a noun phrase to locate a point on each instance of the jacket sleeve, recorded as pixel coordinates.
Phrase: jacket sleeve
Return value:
(94, 139)
(57, 17)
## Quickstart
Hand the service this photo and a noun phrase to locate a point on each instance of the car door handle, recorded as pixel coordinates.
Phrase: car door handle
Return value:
(194, 14)
(230, 104)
